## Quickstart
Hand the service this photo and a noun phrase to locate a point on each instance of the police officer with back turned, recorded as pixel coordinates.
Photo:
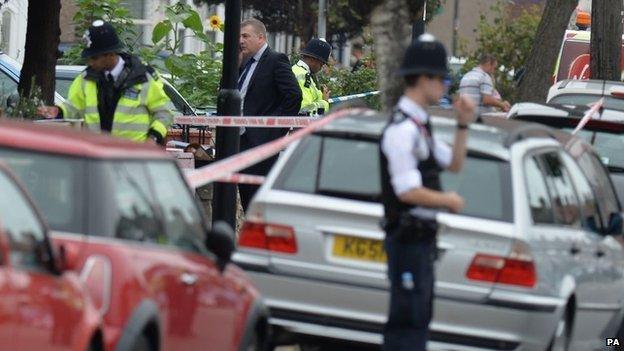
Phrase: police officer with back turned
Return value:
(411, 162)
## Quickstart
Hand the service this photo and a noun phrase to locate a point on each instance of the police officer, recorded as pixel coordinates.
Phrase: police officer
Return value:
(313, 57)
(411, 162)
(117, 93)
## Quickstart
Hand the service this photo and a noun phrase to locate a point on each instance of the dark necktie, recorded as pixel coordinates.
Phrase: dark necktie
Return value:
(243, 76)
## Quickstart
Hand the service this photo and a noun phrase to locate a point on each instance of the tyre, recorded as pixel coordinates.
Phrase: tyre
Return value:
(561, 339)
(259, 340)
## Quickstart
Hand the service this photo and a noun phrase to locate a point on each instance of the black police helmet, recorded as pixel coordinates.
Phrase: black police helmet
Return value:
(100, 38)
(425, 55)
(318, 49)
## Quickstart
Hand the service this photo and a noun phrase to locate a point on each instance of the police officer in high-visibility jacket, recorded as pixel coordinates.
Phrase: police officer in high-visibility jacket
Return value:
(313, 57)
(117, 93)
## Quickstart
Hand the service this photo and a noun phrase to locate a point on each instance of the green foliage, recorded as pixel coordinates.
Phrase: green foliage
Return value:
(196, 76)
(342, 82)
(109, 10)
(344, 17)
(510, 39)
(24, 107)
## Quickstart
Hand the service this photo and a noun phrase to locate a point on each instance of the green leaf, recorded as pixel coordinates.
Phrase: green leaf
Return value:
(174, 16)
(175, 65)
(161, 30)
(193, 22)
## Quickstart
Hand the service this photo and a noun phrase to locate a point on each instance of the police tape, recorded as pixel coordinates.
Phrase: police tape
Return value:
(226, 167)
(351, 97)
(589, 115)
(238, 178)
(246, 121)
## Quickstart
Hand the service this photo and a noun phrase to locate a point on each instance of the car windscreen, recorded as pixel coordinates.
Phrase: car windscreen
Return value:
(56, 183)
(348, 168)
(586, 100)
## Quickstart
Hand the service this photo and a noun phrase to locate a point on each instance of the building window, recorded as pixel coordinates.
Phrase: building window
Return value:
(5, 31)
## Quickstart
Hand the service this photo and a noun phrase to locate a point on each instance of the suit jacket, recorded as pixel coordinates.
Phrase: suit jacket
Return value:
(273, 91)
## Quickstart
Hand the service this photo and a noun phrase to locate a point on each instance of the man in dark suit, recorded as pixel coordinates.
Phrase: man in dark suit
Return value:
(268, 87)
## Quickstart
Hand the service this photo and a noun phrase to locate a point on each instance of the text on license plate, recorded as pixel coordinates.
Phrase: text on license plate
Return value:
(359, 249)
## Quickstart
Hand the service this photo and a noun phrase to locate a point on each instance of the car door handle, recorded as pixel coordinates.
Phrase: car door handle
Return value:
(188, 278)
(574, 250)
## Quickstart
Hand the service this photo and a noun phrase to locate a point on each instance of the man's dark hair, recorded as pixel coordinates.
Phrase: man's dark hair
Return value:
(486, 58)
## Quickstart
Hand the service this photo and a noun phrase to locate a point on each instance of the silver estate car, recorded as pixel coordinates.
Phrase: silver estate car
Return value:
(533, 262)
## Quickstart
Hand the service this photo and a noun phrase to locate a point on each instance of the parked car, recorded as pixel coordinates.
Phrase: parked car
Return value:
(170, 285)
(43, 306)
(533, 262)
(9, 79)
(606, 134)
(587, 92)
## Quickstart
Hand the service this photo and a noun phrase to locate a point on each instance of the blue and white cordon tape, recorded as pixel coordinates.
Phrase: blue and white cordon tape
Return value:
(351, 97)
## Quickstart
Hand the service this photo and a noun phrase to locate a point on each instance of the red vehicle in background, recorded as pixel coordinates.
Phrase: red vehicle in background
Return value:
(167, 283)
(42, 305)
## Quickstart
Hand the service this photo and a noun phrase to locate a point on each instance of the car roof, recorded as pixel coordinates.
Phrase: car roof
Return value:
(63, 140)
(534, 111)
(586, 86)
(492, 137)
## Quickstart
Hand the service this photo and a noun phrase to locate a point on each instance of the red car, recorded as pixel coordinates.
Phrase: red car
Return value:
(168, 282)
(42, 306)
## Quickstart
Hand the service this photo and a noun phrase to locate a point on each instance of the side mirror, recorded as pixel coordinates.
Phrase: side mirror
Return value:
(616, 223)
(68, 256)
(220, 241)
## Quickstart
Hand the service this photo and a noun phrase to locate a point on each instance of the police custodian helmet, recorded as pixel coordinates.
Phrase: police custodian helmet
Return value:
(425, 55)
(318, 49)
(100, 38)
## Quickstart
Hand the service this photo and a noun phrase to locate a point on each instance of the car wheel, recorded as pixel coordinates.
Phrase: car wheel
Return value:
(561, 339)
(141, 344)
(258, 341)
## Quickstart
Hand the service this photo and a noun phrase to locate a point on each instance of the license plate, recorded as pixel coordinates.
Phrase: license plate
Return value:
(359, 249)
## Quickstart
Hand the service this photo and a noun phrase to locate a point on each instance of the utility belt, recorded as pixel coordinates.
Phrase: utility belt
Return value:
(408, 228)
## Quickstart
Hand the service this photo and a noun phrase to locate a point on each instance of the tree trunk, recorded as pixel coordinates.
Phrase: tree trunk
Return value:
(541, 63)
(606, 39)
(392, 33)
(41, 49)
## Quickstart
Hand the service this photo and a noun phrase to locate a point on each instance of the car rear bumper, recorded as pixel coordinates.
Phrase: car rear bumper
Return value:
(338, 311)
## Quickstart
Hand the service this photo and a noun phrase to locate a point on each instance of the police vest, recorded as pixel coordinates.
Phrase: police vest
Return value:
(429, 170)
(141, 108)
(312, 96)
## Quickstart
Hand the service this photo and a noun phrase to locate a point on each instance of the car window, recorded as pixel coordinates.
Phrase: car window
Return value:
(565, 203)
(24, 232)
(349, 167)
(135, 216)
(299, 173)
(62, 85)
(8, 85)
(537, 194)
(608, 145)
(181, 217)
(601, 184)
(589, 208)
(484, 184)
(56, 183)
(587, 99)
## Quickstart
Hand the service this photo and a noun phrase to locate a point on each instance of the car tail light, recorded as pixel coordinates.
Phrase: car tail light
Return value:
(267, 236)
(517, 269)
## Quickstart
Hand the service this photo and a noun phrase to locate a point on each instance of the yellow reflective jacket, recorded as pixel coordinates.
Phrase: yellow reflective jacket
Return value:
(141, 109)
(312, 96)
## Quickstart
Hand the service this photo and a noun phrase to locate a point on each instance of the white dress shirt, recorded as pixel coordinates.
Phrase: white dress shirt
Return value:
(252, 68)
(404, 147)
(116, 71)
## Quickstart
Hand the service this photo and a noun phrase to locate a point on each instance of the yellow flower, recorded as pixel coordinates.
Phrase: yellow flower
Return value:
(215, 22)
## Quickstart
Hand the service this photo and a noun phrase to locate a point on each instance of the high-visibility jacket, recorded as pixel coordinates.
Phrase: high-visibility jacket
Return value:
(142, 107)
(312, 96)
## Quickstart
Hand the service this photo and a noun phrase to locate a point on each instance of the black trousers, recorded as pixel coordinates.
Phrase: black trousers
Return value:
(247, 191)
(411, 305)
